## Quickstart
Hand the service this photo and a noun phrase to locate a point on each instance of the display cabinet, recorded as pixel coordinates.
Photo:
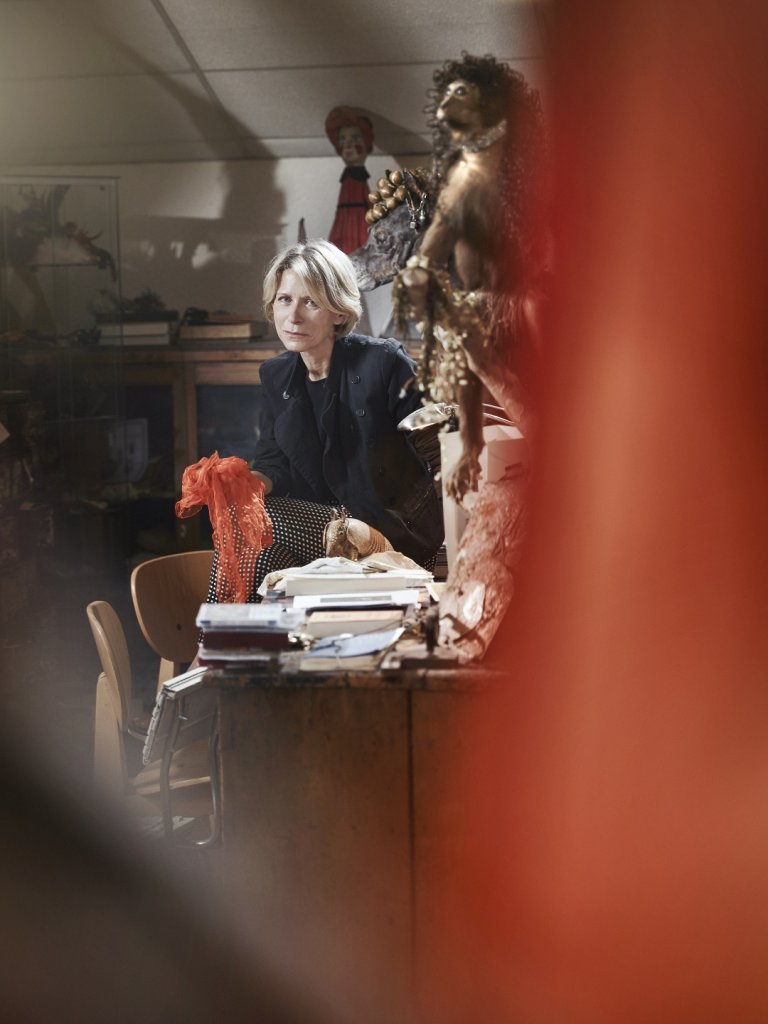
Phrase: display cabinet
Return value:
(99, 433)
(63, 426)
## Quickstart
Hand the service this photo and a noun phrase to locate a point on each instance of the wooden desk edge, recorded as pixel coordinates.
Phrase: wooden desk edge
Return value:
(461, 678)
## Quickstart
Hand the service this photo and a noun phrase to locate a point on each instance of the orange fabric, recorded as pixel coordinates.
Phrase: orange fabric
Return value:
(241, 524)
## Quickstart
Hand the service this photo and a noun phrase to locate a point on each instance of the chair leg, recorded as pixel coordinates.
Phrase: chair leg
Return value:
(166, 795)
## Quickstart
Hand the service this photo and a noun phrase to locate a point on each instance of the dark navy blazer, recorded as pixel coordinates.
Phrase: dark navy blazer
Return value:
(367, 464)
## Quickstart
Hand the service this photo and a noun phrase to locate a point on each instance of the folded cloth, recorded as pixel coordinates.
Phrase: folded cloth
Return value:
(240, 521)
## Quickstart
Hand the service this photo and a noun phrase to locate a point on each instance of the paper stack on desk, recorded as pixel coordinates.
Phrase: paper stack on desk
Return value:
(341, 583)
(338, 621)
(357, 601)
(389, 570)
(350, 653)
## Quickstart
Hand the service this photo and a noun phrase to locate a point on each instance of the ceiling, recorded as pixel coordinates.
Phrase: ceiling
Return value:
(123, 81)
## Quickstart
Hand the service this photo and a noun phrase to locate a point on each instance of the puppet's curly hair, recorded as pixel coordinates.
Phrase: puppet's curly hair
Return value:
(503, 93)
(492, 77)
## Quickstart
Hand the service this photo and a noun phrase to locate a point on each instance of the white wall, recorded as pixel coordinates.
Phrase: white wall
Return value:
(200, 234)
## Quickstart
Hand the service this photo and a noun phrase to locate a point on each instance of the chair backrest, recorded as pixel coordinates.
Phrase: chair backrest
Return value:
(113, 653)
(112, 728)
(114, 698)
(167, 593)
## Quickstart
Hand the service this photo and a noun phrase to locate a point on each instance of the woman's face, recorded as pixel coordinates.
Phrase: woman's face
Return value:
(301, 324)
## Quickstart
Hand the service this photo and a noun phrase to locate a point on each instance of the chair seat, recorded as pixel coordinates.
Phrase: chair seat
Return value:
(188, 802)
(138, 725)
(190, 783)
(189, 767)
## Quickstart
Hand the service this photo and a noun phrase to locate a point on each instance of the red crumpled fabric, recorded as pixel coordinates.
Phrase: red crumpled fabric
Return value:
(240, 521)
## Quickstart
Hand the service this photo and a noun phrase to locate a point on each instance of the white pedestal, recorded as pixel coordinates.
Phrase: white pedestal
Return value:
(505, 449)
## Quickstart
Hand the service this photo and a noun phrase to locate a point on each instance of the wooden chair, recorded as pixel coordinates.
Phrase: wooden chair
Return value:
(167, 593)
(187, 777)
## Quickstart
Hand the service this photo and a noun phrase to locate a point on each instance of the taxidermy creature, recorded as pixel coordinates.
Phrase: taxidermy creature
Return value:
(352, 538)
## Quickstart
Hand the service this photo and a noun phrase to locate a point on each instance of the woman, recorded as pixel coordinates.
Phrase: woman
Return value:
(331, 404)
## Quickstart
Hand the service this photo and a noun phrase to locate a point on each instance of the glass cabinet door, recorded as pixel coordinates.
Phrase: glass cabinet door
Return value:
(60, 391)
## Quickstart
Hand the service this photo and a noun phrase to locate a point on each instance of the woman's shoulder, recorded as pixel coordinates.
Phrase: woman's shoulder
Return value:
(373, 347)
(278, 367)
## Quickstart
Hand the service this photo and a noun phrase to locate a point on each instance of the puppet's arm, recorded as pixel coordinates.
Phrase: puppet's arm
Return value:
(464, 475)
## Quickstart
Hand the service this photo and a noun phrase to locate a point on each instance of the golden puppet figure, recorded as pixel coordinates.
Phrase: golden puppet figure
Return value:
(475, 286)
(473, 282)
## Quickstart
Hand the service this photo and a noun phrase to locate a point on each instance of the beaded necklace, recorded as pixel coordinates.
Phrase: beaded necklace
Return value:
(486, 139)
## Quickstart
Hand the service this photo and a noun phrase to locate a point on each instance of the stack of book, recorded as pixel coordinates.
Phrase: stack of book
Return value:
(137, 332)
(246, 632)
(222, 327)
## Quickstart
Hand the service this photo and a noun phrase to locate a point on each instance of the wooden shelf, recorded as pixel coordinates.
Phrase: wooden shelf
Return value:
(180, 367)
(128, 355)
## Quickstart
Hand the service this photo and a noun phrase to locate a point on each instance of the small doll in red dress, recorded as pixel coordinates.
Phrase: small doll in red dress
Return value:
(351, 135)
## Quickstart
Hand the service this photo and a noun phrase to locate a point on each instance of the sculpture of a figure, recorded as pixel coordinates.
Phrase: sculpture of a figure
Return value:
(351, 135)
(473, 282)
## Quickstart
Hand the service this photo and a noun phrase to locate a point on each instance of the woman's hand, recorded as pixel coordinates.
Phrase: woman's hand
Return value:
(264, 479)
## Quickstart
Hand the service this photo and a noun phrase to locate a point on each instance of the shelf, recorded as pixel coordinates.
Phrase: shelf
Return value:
(74, 265)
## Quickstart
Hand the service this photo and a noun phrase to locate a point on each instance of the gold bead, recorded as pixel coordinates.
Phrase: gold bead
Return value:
(400, 193)
(390, 202)
(382, 183)
(373, 197)
(386, 191)
(378, 211)
(396, 177)
(369, 217)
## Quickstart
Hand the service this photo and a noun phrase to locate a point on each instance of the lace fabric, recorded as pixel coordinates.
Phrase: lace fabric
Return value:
(241, 524)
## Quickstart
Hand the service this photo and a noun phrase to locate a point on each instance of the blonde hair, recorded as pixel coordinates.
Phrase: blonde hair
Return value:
(327, 274)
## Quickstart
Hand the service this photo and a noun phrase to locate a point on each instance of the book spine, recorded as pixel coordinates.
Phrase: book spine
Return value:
(135, 330)
(138, 339)
(201, 332)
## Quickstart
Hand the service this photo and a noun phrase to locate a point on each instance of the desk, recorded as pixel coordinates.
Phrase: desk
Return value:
(340, 833)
